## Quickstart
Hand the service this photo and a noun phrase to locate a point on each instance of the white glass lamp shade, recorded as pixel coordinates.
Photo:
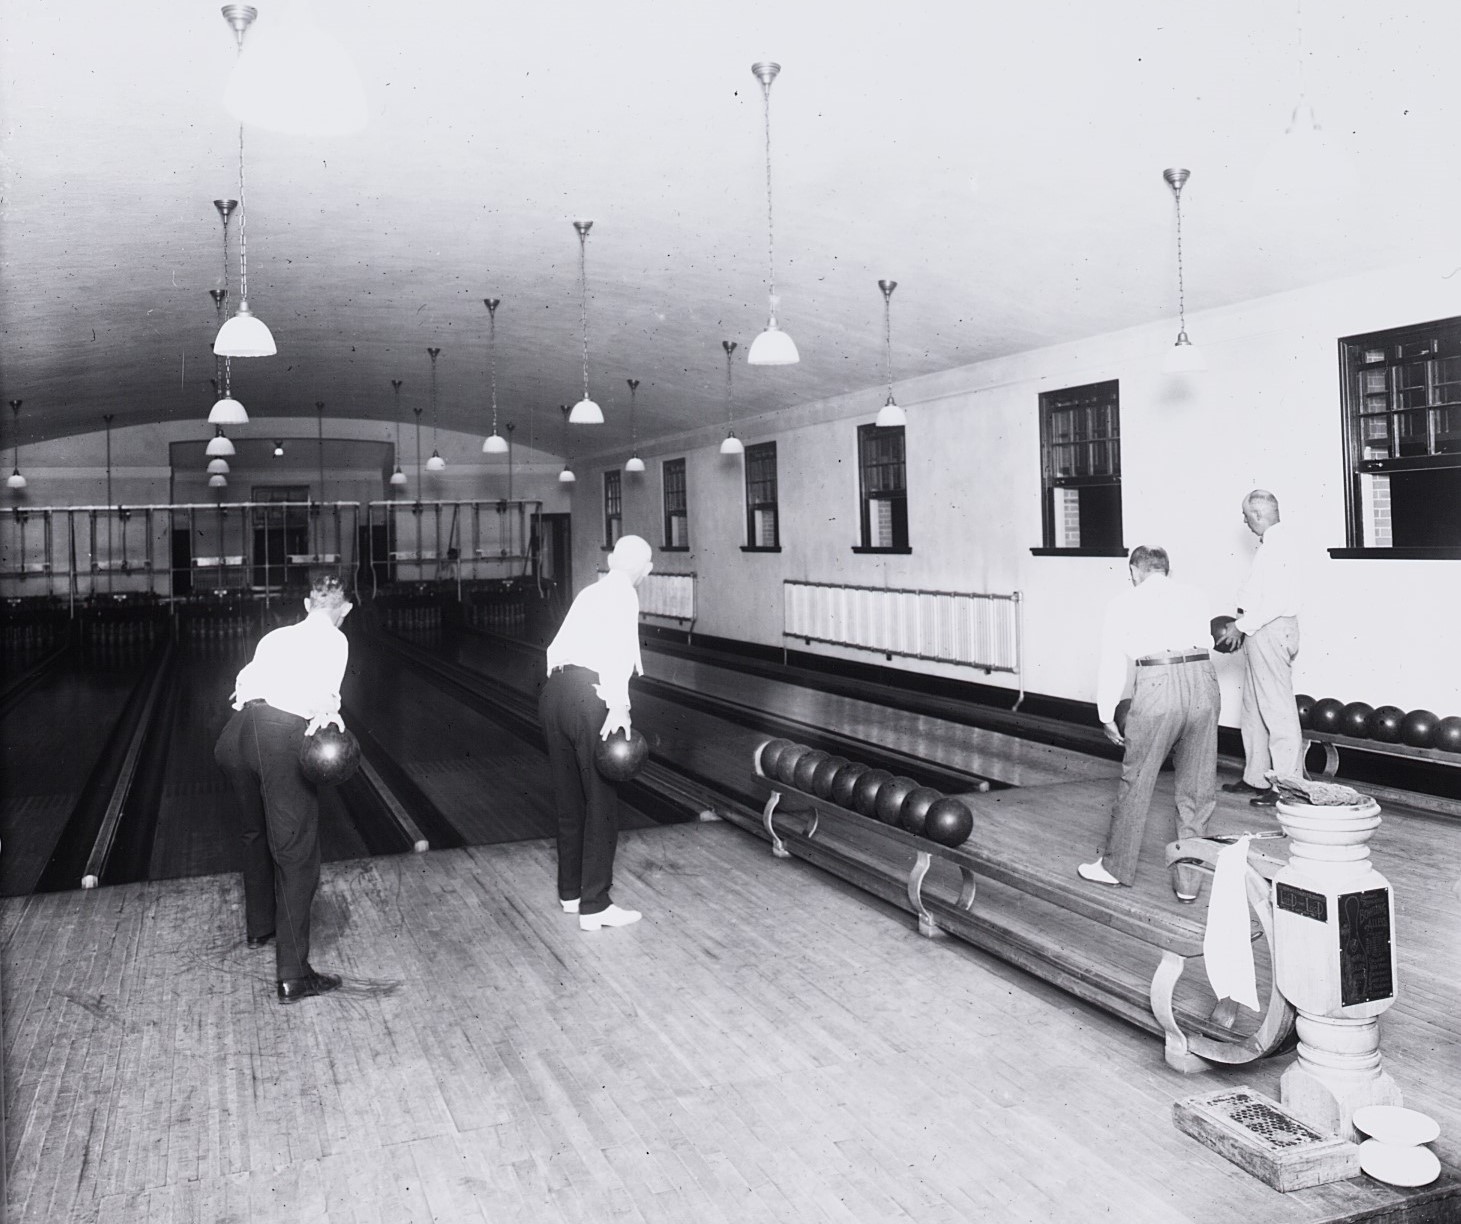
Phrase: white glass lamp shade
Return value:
(218, 467)
(218, 481)
(635, 464)
(732, 445)
(228, 411)
(494, 444)
(219, 446)
(294, 77)
(15, 480)
(586, 412)
(772, 347)
(244, 335)
(398, 479)
(279, 450)
(1184, 357)
(890, 414)
(436, 463)
(566, 476)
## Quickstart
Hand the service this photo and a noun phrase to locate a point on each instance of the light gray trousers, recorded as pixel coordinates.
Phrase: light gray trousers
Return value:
(1175, 705)
(1268, 718)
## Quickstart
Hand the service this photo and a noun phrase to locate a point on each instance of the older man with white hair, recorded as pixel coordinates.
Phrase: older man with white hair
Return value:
(586, 699)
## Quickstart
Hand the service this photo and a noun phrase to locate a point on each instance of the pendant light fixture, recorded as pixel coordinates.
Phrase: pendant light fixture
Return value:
(218, 481)
(279, 448)
(494, 443)
(773, 346)
(417, 411)
(218, 467)
(243, 335)
(566, 476)
(436, 463)
(732, 444)
(889, 414)
(1183, 357)
(218, 445)
(585, 412)
(635, 464)
(16, 480)
(226, 410)
(398, 477)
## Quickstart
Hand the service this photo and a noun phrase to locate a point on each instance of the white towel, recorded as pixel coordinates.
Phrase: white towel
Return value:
(1226, 947)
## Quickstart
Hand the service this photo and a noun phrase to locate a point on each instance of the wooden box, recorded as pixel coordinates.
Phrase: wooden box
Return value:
(1256, 1133)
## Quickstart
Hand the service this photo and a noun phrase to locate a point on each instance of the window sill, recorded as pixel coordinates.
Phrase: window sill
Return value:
(674, 548)
(1079, 552)
(900, 552)
(1395, 554)
(774, 548)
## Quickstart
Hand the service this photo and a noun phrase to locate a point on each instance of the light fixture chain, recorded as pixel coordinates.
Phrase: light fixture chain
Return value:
(583, 302)
(888, 339)
(770, 224)
(434, 353)
(492, 360)
(243, 220)
(1181, 284)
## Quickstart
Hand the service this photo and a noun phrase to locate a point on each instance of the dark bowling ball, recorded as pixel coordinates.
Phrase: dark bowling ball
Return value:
(915, 808)
(891, 796)
(1216, 626)
(845, 783)
(618, 758)
(949, 822)
(1354, 719)
(1448, 734)
(1123, 712)
(825, 774)
(771, 752)
(865, 793)
(1385, 724)
(806, 768)
(1326, 715)
(329, 756)
(1418, 728)
(1305, 705)
(786, 762)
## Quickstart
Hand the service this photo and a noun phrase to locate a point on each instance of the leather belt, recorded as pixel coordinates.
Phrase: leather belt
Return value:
(1158, 660)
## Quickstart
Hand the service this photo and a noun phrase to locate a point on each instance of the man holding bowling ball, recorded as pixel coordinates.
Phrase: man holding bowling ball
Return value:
(1161, 626)
(288, 691)
(586, 700)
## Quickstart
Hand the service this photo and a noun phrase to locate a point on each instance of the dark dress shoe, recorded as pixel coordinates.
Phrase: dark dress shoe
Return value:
(1268, 798)
(258, 941)
(292, 990)
(1241, 787)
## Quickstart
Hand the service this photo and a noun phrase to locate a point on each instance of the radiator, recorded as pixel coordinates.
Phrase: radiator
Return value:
(669, 595)
(977, 630)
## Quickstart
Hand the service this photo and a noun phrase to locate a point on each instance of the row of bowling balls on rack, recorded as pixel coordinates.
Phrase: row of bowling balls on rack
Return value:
(876, 793)
(1386, 724)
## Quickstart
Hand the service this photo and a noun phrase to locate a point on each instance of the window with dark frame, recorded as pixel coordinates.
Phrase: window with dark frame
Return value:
(613, 508)
(677, 519)
(1080, 462)
(763, 528)
(883, 486)
(1402, 439)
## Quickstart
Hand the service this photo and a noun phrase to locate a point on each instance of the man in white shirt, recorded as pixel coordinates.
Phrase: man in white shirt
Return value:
(1161, 626)
(586, 699)
(1267, 628)
(289, 690)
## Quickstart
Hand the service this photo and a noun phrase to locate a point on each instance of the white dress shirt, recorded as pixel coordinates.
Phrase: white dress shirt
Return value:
(1273, 588)
(601, 633)
(1158, 616)
(298, 668)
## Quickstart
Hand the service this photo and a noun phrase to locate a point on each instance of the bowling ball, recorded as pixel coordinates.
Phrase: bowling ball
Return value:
(915, 808)
(806, 768)
(618, 758)
(1216, 626)
(1123, 711)
(771, 752)
(1448, 734)
(891, 796)
(786, 762)
(1385, 724)
(1354, 719)
(845, 783)
(949, 822)
(329, 756)
(1326, 715)
(865, 793)
(1305, 705)
(825, 774)
(1417, 728)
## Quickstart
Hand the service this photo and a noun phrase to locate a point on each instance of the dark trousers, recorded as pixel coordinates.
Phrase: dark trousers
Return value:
(279, 814)
(572, 715)
(1174, 705)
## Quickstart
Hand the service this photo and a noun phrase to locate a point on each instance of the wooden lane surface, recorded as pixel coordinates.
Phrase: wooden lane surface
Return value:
(765, 1045)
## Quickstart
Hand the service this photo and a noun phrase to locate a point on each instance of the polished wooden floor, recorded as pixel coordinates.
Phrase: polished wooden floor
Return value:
(765, 1045)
